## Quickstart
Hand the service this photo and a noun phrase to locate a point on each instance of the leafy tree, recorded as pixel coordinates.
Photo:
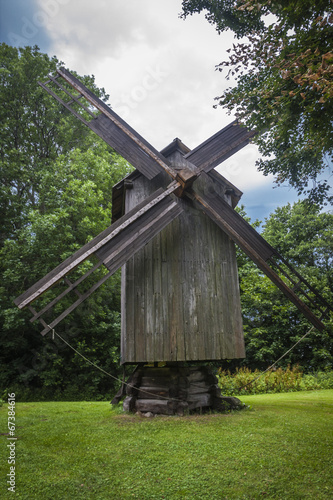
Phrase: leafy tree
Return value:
(56, 181)
(272, 324)
(284, 75)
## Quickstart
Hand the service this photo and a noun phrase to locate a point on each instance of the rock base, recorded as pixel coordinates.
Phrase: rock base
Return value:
(174, 390)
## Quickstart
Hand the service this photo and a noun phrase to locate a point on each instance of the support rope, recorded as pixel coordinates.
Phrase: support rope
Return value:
(109, 374)
(169, 398)
(276, 362)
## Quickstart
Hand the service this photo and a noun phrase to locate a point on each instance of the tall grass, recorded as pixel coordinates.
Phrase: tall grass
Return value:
(244, 381)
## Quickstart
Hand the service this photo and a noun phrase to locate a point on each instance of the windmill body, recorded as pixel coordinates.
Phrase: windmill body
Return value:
(180, 293)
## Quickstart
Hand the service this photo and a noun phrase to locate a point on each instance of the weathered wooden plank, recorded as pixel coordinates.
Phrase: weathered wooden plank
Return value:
(176, 394)
(319, 301)
(112, 135)
(124, 252)
(198, 388)
(249, 234)
(127, 243)
(157, 392)
(164, 407)
(200, 401)
(72, 97)
(79, 301)
(181, 286)
(65, 104)
(201, 375)
(71, 287)
(129, 403)
(163, 381)
(134, 382)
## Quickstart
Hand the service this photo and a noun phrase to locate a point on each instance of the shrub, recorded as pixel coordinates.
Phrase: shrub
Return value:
(245, 381)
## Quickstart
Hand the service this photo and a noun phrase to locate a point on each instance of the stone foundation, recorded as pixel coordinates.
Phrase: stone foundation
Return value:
(174, 390)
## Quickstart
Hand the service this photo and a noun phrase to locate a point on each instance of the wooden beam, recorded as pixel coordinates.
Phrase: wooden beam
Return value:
(236, 221)
(75, 304)
(72, 97)
(126, 247)
(302, 280)
(70, 288)
(65, 104)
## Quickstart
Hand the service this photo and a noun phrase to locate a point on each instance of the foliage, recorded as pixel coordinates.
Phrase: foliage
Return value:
(56, 182)
(284, 75)
(245, 381)
(88, 450)
(272, 324)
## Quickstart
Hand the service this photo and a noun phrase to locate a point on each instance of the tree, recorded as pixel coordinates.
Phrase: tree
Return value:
(272, 324)
(56, 183)
(284, 75)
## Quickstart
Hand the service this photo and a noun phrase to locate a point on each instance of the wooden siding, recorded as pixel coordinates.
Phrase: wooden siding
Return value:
(180, 299)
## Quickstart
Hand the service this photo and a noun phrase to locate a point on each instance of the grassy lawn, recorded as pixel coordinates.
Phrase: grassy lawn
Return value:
(281, 448)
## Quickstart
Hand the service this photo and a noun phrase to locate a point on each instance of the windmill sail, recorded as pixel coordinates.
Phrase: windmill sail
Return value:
(100, 118)
(220, 146)
(264, 256)
(113, 247)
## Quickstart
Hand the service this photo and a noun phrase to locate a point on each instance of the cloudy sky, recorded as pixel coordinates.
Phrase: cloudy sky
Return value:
(158, 69)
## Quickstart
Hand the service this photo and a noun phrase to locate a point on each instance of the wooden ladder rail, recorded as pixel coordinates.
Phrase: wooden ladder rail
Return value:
(318, 301)
(67, 104)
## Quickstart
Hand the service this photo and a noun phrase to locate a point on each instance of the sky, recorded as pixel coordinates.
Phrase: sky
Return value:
(159, 70)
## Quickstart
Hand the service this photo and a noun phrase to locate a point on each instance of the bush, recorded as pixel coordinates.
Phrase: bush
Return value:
(244, 381)
(69, 393)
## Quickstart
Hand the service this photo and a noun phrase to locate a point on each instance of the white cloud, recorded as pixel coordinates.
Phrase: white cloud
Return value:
(158, 69)
(240, 169)
(119, 42)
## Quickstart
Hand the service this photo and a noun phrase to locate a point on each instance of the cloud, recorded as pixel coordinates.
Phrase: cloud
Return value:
(102, 29)
(158, 69)
(240, 169)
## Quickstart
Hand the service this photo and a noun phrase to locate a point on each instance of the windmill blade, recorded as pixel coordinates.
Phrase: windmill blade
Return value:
(263, 254)
(100, 118)
(220, 146)
(113, 247)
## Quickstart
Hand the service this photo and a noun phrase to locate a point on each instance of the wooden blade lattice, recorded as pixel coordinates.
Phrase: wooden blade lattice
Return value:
(264, 256)
(220, 146)
(100, 118)
(113, 247)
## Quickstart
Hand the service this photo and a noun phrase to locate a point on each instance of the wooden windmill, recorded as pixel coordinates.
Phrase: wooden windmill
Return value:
(173, 233)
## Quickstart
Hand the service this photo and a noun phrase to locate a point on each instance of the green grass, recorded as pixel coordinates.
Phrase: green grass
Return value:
(281, 448)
